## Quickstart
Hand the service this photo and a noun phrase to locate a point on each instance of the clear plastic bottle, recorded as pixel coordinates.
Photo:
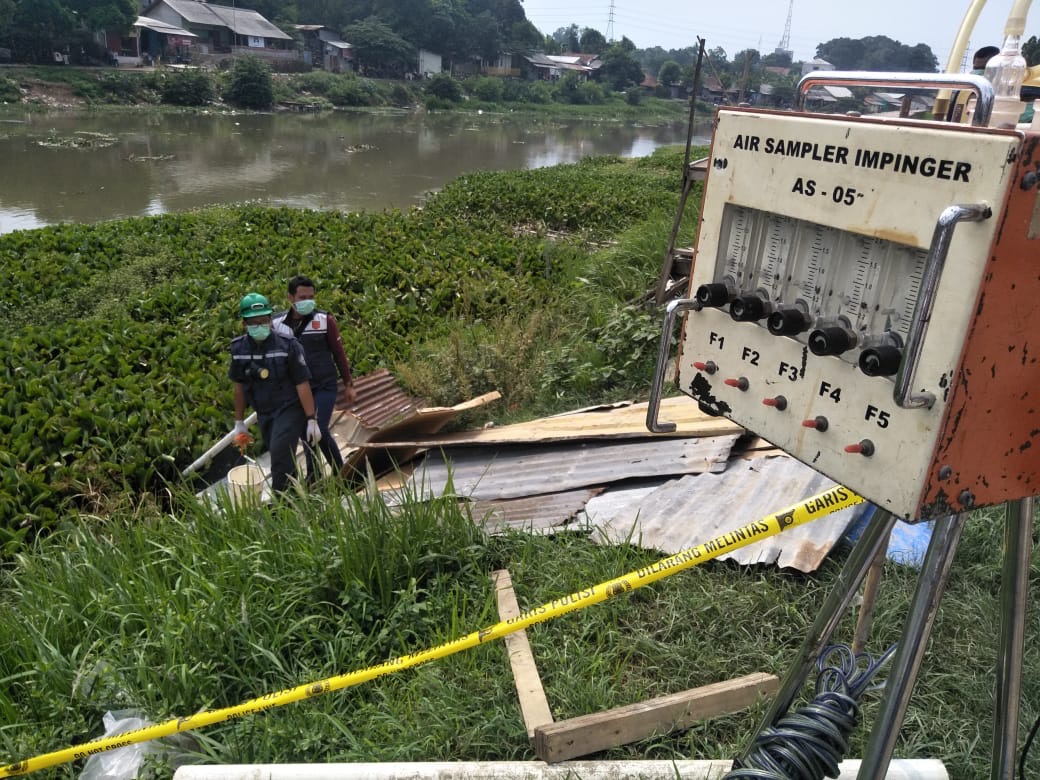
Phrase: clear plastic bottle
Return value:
(1006, 72)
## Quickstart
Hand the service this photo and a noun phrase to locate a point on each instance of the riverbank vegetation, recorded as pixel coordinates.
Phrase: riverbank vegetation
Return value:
(250, 85)
(116, 372)
(119, 590)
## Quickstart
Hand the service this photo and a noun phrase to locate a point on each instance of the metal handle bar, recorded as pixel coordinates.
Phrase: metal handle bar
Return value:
(654, 407)
(933, 269)
(864, 78)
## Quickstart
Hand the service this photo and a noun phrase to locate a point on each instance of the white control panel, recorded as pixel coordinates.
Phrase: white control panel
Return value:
(819, 241)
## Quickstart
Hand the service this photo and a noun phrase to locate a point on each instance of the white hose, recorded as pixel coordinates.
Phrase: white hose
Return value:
(899, 769)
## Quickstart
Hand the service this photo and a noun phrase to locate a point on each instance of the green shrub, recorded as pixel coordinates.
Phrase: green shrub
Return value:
(350, 91)
(634, 96)
(187, 88)
(539, 92)
(317, 82)
(250, 84)
(444, 87)
(9, 92)
(515, 91)
(401, 96)
(592, 93)
(487, 89)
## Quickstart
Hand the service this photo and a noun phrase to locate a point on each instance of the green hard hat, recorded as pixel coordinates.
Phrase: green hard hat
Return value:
(254, 305)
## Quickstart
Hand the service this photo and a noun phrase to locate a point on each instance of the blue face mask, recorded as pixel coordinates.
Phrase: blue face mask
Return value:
(258, 332)
(304, 307)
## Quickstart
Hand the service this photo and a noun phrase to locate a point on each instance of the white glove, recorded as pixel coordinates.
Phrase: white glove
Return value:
(313, 434)
(240, 428)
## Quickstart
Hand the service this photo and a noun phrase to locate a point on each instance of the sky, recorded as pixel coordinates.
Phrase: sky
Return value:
(759, 24)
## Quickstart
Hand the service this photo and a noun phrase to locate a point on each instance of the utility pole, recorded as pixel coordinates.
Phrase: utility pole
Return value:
(610, 23)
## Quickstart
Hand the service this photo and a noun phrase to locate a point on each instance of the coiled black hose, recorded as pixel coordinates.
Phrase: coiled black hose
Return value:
(808, 744)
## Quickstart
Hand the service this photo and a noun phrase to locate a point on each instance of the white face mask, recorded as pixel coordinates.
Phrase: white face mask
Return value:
(304, 307)
(258, 332)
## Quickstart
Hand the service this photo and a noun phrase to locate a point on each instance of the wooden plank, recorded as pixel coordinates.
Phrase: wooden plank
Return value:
(567, 739)
(533, 704)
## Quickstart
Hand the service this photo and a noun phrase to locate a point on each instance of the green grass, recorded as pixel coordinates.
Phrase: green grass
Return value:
(193, 608)
(153, 601)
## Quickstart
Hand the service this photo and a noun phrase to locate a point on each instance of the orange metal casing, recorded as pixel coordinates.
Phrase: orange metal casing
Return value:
(988, 449)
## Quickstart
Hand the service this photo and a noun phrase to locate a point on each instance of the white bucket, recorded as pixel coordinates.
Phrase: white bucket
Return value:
(245, 483)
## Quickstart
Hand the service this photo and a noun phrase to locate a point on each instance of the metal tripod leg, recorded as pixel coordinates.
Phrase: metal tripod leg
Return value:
(907, 661)
(1014, 590)
(874, 538)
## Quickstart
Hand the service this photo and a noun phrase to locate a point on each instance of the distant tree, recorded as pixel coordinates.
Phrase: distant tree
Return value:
(920, 59)
(379, 49)
(551, 46)
(653, 58)
(332, 13)
(37, 26)
(116, 16)
(250, 84)
(620, 69)
(481, 36)
(626, 45)
(523, 36)
(876, 53)
(747, 59)
(7, 9)
(1031, 51)
(777, 59)
(842, 53)
(592, 41)
(670, 73)
(567, 37)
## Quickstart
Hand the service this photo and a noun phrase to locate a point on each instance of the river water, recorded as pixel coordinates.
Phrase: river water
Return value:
(90, 167)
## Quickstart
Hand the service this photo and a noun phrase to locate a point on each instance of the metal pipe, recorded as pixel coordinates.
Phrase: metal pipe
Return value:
(914, 640)
(906, 769)
(1014, 591)
(934, 264)
(664, 349)
(863, 78)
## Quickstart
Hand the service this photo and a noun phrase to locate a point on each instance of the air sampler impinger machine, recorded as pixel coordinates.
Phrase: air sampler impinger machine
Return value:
(865, 295)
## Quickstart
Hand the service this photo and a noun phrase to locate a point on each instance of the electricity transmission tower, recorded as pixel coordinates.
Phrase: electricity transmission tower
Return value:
(785, 41)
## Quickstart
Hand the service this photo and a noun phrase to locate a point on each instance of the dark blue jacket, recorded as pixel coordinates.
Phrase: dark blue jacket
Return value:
(269, 370)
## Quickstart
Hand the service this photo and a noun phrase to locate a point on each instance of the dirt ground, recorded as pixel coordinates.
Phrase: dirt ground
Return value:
(50, 95)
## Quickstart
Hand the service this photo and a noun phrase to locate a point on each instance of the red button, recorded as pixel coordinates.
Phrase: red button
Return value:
(740, 383)
(779, 403)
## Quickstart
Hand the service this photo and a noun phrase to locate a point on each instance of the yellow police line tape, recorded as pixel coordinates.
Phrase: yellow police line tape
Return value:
(810, 509)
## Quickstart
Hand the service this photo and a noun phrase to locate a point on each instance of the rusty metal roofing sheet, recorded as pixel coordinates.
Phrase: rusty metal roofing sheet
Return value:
(379, 400)
(532, 513)
(694, 509)
(516, 471)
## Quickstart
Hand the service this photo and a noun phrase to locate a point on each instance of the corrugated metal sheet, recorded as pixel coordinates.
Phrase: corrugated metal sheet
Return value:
(379, 400)
(517, 471)
(694, 509)
(533, 513)
(242, 20)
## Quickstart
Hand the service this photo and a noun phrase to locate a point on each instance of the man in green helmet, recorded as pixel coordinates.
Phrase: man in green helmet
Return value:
(269, 373)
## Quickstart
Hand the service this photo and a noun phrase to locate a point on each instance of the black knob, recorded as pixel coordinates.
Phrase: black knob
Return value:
(747, 308)
(715, 294)
(831, 341)
(788, 321)
(880, 361)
